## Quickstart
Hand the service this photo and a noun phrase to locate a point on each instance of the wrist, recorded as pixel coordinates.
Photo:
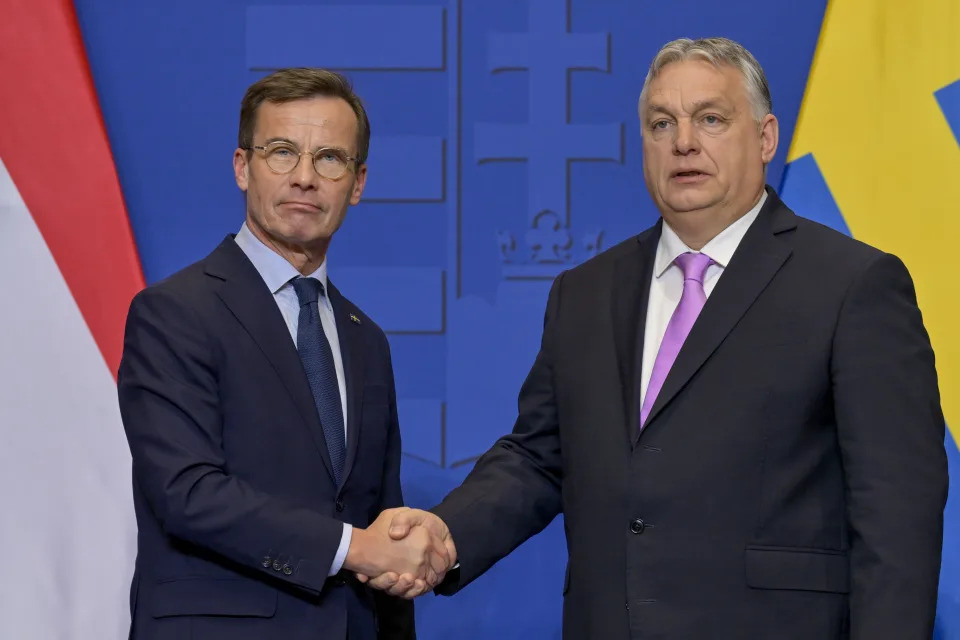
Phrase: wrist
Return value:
(357, 559)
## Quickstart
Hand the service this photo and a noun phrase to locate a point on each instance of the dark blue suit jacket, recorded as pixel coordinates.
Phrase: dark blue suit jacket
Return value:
(239, 516)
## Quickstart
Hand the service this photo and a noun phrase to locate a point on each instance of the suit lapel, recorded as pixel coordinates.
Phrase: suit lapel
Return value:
(754, 264)
(243, 292)
(631, 290)
(350, 335)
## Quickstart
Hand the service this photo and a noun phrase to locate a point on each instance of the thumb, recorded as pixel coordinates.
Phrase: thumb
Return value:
(402, 523)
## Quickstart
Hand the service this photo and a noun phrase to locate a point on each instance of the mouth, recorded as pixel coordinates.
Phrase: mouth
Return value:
(300, 206)
(691, 176)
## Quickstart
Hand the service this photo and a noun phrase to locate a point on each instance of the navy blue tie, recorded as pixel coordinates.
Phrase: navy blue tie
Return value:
(317, 358)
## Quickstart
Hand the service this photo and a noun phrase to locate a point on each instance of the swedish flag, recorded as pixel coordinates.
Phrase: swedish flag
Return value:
(877, 154)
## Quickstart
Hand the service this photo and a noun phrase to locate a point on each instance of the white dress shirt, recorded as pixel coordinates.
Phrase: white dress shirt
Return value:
(277, 274)
(666, 284)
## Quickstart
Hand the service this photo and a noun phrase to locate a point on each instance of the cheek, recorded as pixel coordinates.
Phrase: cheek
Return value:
(654, 165)
(727, 158)
(346, 194)
(649, 169)
(747, 162)
(268, 191)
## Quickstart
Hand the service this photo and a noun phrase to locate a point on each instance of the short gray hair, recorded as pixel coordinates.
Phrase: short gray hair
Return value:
(716, 51)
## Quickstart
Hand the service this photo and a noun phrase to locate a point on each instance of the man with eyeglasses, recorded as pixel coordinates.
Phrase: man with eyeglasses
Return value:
(260, 408)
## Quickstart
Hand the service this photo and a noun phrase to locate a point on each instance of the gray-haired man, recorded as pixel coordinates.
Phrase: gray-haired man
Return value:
(736, 411)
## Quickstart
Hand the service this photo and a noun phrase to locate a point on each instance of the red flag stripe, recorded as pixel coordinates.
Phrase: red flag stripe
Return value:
(55, 147)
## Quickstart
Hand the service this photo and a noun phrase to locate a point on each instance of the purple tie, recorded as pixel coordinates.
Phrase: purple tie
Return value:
(694, 267)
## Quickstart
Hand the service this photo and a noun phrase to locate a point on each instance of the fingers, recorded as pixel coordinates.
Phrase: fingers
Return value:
(414, 587)
(438, 558)
(402, 586)
(411, 552)
(384, 581)
(451, 551)
(430, 555)
(443, 552)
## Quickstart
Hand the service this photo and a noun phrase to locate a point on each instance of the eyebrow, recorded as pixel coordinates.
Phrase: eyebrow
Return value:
(700, 105)
(291, 142)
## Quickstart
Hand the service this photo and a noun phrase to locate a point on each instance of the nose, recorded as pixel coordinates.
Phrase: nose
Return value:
(304, 176)
(687, 140)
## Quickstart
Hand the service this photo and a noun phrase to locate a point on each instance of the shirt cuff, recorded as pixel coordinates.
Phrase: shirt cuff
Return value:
(341, 556)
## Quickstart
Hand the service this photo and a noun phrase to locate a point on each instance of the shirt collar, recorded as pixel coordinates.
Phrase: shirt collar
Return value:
(721, 248)
(272, 267)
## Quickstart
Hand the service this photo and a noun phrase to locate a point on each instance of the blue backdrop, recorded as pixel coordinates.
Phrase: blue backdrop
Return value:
(505, 148)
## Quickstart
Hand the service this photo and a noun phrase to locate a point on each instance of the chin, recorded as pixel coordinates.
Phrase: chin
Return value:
(688, 199)
(312, 238)
(294, 237)
(686, 205)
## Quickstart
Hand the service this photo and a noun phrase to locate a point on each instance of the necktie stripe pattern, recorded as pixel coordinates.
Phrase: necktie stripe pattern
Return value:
(318, 363)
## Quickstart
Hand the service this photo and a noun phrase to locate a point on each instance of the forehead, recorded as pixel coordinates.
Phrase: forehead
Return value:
(693, 81)
(329, 118)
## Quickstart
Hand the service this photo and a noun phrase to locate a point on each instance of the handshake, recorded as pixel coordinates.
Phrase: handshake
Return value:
(405, 552)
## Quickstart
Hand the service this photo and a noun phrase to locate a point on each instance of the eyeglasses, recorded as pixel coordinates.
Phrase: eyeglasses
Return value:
(329, 162)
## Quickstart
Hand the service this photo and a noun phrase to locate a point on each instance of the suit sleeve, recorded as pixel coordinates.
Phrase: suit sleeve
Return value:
(891, 434)
(395, 615)
(170, 405)
(513, 492)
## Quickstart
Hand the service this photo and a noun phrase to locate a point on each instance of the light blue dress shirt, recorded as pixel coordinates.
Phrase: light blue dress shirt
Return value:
(277, 274)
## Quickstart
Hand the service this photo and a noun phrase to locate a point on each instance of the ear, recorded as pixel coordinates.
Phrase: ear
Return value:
(241, 168)
(769, 137)
(359, 184)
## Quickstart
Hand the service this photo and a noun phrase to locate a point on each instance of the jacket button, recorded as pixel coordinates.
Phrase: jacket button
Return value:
(276, 565)
(339, 505)
(287, 570)
(637, 526)
(267, 560)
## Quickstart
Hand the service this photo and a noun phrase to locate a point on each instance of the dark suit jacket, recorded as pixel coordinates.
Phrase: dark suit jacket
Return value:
(238, 514)
(790, 480)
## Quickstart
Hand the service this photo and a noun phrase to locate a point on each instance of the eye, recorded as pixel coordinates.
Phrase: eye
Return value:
(281, 150)
(711, 119)
(660, 124)
(330, 157)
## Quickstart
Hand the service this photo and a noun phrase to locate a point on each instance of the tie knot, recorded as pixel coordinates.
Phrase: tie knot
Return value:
(308, 290)
(694, 265)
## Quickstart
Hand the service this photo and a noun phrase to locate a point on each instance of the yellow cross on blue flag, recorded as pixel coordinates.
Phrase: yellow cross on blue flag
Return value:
(876, 153)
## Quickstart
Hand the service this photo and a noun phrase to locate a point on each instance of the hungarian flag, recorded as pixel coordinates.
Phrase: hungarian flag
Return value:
(68, 270)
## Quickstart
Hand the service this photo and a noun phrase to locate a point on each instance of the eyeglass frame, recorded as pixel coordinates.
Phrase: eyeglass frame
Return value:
(314, 154)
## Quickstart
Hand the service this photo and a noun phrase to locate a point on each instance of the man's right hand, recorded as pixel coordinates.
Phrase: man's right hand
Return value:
(411, 564)
(412, 524)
